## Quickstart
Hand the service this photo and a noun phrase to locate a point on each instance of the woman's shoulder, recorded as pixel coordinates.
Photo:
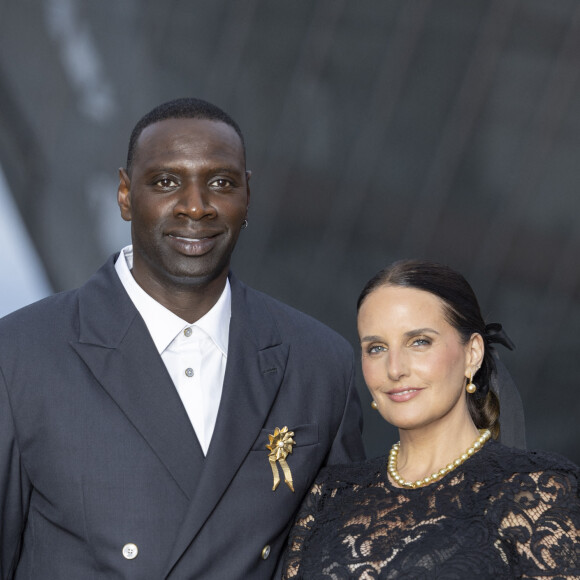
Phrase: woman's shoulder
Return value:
(511, 461)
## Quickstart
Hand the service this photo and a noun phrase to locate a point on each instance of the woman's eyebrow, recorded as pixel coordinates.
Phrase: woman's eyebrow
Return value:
(417, 331)
(370, 338)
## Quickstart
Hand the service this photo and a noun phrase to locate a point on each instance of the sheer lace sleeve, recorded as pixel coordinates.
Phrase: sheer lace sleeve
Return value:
(303, 525)
(538, 517)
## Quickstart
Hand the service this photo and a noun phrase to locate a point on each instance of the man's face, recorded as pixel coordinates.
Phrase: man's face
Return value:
(186, 198)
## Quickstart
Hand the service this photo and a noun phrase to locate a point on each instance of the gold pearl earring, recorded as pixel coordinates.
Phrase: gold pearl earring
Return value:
(471, 386)
(374, 405)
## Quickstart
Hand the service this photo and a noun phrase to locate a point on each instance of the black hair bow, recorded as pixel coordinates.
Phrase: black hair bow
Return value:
(495, 333)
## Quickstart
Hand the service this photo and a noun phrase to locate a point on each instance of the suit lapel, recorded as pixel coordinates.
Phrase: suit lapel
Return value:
(116, 346)
(254, 372)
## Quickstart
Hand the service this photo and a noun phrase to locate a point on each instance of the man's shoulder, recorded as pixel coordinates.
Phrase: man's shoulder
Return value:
(53, 310)
(50, 308)
(38, 329)
(289, 319)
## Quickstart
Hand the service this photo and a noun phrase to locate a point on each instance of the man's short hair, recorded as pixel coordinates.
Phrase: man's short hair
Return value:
(185, 108)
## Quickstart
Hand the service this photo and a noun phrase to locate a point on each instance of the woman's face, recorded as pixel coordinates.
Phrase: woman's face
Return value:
(413, 361)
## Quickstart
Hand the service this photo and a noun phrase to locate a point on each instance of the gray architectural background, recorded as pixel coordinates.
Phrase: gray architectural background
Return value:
(376, 130)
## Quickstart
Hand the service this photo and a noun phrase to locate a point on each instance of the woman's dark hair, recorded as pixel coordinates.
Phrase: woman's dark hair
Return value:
(463, 313)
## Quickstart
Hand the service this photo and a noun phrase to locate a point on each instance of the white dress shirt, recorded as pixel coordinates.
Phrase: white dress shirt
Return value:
(195, 355)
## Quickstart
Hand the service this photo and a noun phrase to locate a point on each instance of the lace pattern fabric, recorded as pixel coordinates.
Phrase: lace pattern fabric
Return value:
(504, 513)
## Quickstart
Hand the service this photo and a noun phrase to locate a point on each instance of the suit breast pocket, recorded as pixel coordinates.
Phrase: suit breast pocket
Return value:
(304, 461)
(303, 435)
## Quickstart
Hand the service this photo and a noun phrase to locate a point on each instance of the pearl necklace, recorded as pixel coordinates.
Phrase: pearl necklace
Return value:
(485, 434)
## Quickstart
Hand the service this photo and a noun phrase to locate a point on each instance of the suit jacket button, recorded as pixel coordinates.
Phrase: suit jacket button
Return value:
(265, 552)
(130, 551)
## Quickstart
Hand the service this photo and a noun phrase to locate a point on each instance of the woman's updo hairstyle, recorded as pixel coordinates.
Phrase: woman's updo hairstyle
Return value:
(463, 313)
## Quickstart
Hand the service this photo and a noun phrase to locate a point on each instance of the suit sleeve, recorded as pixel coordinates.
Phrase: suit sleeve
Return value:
(14, 489)
(348, 444)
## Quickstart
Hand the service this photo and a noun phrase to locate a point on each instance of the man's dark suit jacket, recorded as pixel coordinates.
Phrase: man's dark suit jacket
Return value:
(97, 451)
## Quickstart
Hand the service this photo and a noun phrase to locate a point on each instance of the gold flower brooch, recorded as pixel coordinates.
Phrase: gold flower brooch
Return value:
(280, 447)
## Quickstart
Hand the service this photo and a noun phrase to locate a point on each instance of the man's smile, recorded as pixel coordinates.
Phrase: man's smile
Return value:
(193, 244)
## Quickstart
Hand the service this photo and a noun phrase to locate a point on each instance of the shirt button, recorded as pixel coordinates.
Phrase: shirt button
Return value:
(187, 331)
(130, 551)
(189, 372)
(265, 552)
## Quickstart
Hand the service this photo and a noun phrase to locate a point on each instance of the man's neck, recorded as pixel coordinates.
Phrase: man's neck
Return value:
(188, 301)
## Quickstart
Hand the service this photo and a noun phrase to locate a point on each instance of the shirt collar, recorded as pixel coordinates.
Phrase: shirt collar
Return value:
(162, 324)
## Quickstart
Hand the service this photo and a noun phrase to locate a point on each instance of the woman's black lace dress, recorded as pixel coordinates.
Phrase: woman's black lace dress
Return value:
(504, 513)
